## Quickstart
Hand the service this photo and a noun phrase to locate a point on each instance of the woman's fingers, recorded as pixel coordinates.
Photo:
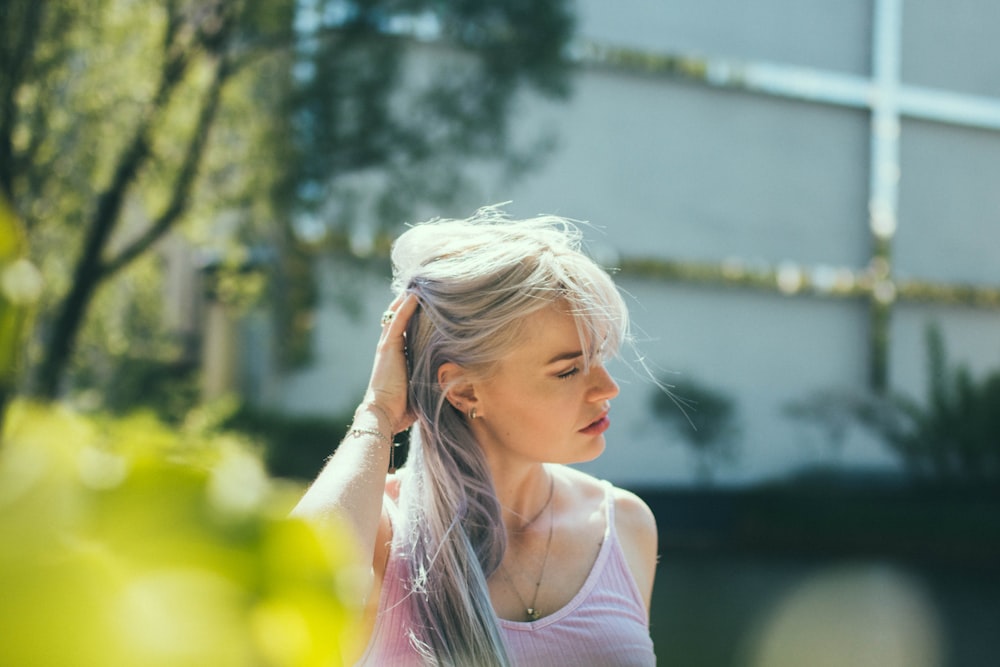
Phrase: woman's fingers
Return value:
(402, 309)
(389, 380)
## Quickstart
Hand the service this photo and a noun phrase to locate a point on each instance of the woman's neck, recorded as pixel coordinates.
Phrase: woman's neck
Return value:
(524, 495)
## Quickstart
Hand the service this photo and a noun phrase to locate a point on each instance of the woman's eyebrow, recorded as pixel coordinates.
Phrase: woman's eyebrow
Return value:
(564, 356)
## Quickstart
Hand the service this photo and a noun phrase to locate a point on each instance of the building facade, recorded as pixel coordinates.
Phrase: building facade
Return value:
(791, 193)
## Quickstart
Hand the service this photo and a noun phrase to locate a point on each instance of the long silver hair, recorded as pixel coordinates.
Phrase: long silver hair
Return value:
(476, 280)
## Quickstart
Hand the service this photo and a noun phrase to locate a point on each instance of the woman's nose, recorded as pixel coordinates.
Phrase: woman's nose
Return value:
(603, 387)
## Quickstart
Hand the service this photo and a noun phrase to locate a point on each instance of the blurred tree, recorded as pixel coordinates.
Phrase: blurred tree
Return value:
(704, 418)
(954, 436)
(253, 122)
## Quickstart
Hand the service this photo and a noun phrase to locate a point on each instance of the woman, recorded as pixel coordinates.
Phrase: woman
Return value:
(486, 549)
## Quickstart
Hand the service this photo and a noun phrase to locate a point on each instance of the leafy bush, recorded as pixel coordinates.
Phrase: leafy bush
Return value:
(704, 418)
(954, 436)
(124, 542)
(167, 386)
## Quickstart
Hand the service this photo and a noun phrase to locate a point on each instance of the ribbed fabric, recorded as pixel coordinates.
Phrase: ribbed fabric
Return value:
(604, 625)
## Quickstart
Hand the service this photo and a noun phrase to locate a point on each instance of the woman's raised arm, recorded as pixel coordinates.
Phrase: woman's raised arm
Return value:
(352, 483)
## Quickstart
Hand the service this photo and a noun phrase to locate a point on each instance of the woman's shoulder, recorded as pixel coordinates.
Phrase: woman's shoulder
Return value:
(390, 511)
(630, 509)
(634, 525)
(633, 515)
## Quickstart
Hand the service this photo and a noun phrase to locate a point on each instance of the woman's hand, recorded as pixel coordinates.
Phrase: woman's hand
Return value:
(387, 389)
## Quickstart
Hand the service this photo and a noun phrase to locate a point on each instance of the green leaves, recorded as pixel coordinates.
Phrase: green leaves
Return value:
(956, 434)
(953, 436)
(125, 543)
(121, 122)
(20, 285)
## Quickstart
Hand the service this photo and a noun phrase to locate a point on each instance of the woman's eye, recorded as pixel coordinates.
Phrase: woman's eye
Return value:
(568, 374)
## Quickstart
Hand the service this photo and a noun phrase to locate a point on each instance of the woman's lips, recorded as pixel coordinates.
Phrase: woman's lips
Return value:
(597, 427)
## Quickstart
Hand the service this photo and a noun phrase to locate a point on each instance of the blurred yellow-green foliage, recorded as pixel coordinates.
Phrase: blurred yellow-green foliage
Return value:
(20, 285)
(124, 542)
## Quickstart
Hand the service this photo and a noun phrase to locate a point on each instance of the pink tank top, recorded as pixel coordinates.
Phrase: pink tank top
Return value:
(604, 625)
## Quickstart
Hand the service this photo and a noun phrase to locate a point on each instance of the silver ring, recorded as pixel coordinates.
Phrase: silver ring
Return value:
(387, 317)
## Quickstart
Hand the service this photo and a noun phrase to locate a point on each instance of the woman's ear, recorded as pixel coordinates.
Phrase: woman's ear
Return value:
(457, 386)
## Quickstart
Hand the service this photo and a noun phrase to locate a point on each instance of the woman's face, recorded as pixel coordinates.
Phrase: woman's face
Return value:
(540, 405)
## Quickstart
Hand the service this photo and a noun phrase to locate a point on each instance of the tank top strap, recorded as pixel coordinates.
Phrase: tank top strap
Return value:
(609, 510)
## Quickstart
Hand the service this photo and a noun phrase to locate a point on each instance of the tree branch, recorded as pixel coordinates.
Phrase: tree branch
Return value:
(89, 271)
(110, 201)
(185, 177)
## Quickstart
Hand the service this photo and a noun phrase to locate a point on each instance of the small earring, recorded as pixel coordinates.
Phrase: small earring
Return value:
(472, 413)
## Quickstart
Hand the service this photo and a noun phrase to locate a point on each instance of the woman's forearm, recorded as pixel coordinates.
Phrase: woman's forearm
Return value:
(352, 483)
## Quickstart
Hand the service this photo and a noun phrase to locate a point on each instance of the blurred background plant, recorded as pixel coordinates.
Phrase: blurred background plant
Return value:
(20, 286)
(125, 542)
(704, 418)
(953, 436)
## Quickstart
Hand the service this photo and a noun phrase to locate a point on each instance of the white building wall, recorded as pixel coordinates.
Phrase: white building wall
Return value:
(679, 170)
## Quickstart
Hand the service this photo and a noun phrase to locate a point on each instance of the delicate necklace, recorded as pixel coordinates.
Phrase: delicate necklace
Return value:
(524, 526)
(530, 609)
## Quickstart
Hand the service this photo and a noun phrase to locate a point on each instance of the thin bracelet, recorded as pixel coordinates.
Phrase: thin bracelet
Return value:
(375, 406)
(358, 432)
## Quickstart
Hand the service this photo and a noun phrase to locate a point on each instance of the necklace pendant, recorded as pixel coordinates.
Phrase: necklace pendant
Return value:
(533, 614)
